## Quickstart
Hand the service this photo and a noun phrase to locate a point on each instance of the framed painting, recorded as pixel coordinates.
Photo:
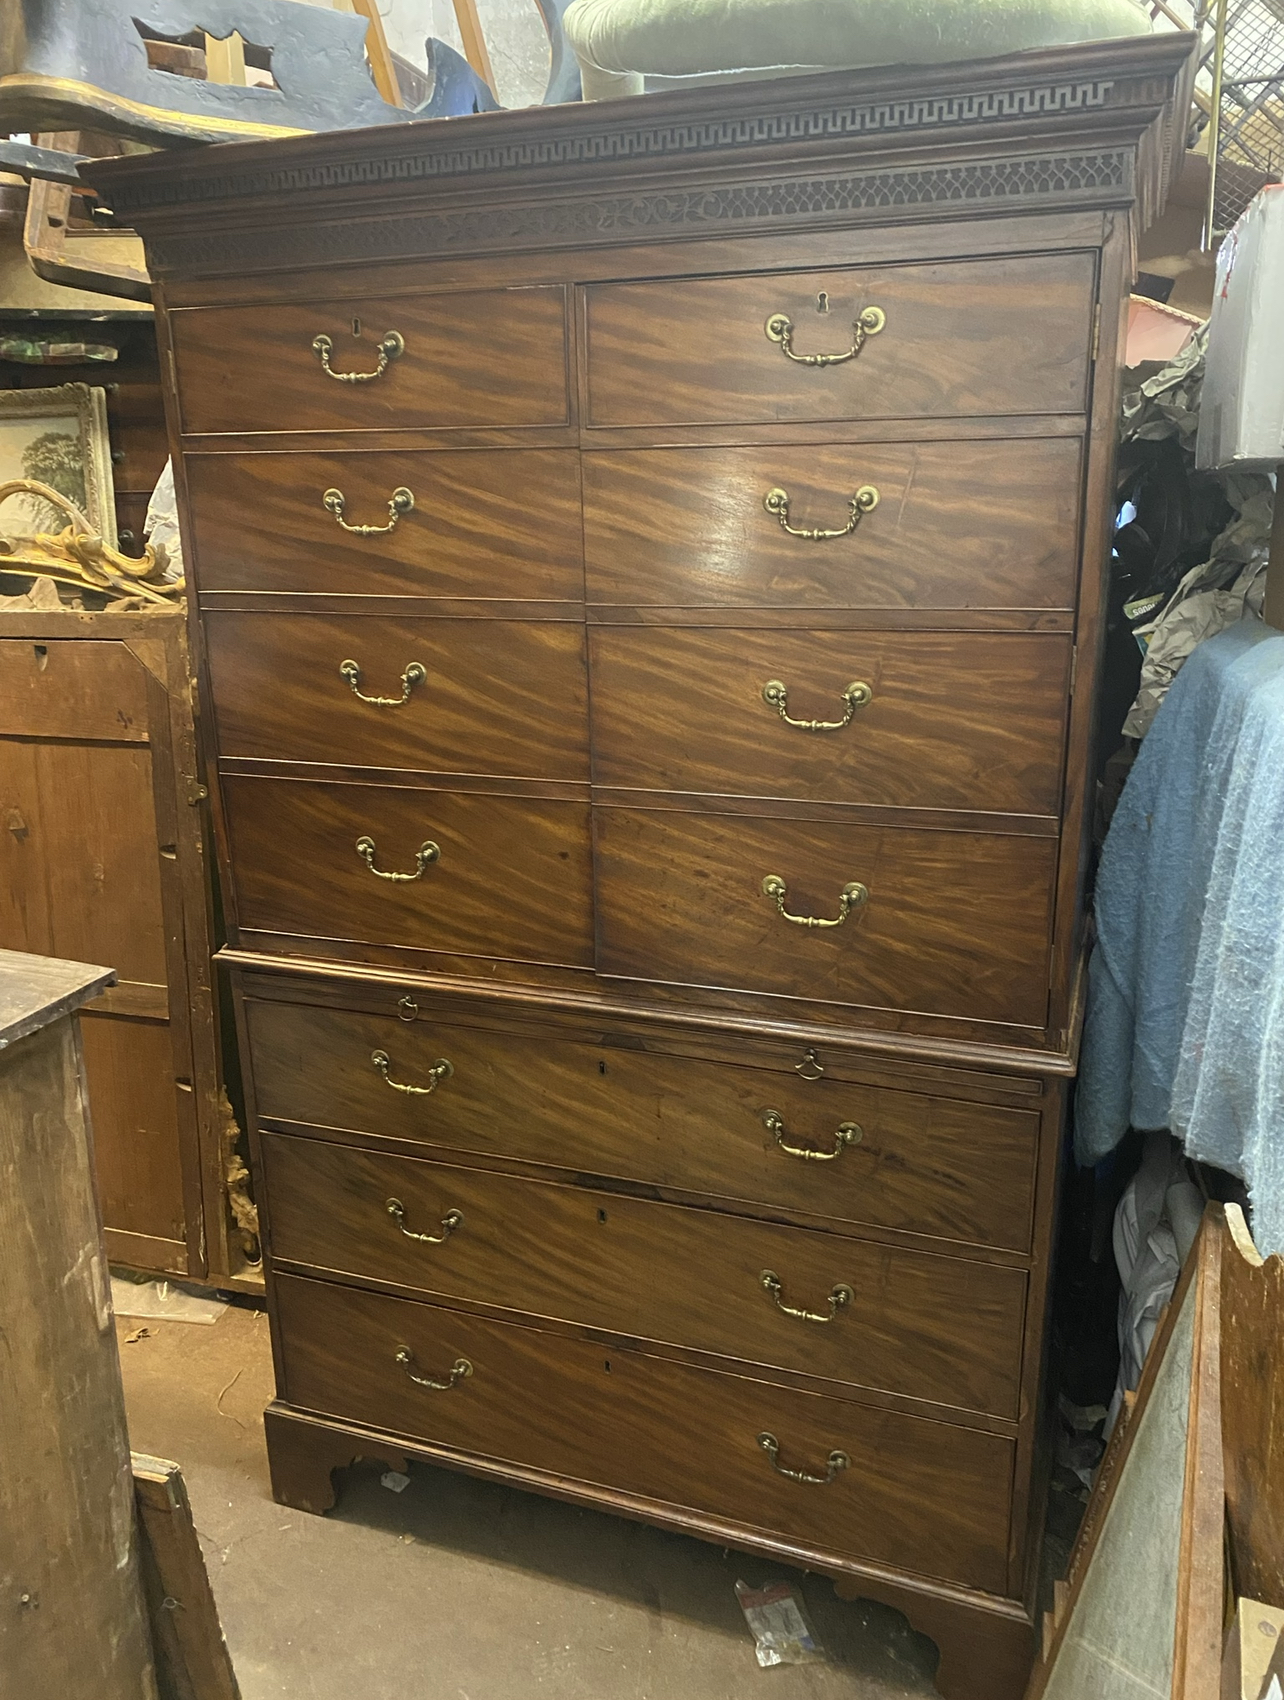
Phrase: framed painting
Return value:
(57, 437)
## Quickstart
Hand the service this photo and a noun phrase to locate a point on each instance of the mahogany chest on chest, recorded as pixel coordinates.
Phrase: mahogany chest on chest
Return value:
(648, 561)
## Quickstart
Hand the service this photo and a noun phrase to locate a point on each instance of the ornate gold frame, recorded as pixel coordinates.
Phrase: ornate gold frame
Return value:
(87, 406)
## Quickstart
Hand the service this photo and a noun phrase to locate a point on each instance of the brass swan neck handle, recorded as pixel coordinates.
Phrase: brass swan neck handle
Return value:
(867, 323)
(401, 501)
(865, 500)
(775, 695)
(415, 674)
(833, 1464)
(853, 896)
(391, 347)
(848, 1133)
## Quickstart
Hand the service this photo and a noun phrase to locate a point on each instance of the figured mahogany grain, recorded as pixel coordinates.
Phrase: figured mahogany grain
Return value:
(486, 523)
(512, 881)
(500, 696)
(962, 721)
(933, 1165)
(921, 1325)
(956, 923)
(1006, 335)
(924, 1496)
(472, 357)
(960, 524)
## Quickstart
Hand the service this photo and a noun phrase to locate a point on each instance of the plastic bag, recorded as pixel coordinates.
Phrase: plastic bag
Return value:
(779, 1626)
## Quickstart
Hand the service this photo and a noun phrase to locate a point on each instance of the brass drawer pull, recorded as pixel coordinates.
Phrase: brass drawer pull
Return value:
(427, 852)
(868, 322)
(400, 502)
(441, 1070)
(392, 347)
(839, 1295)
(811, 1067)
(450, 1221)
(415, 674)
(836, 1461)
(458, 1371)
(777, 502)
(774, 694)
(849, 1133)
(852, 896)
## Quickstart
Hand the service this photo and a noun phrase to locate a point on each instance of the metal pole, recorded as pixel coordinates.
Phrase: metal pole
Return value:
(1215, 121)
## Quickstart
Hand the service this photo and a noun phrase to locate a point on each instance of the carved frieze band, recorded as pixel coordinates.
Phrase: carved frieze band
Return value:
(1027, 184)
(617, 137)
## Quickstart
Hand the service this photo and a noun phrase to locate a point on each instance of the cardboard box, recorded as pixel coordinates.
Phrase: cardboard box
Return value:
(1241, 419)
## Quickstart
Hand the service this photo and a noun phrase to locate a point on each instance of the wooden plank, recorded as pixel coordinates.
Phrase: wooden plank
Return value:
(73, 1618)
(192, 1659)
(1252, 1371)
(225, 58)
(382, 68)
(35, 990)
(475, 50)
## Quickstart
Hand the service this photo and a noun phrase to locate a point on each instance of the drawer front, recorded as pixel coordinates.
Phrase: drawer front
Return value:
(83, 690)
(922, 1496)
(927, 1326)
(956, 924)
(474, 357)
(948, 721)
(958, 525)
(460, 696)
(1001, 336)
(512, 879)
(903, 1160)
(486, 523)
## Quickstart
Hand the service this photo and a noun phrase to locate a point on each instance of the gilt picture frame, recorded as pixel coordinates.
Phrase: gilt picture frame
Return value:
(58, 437)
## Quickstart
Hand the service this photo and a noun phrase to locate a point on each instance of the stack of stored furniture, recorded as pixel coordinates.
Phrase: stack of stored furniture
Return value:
(652, 776)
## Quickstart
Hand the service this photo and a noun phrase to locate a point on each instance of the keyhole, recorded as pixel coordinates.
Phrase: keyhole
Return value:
(356, 327)
(601, 1068)
(601, 1215)
(606, 1365)
(42, 656)
(822, 302)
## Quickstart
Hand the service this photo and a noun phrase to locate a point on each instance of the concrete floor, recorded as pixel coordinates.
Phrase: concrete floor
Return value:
(461, 1590)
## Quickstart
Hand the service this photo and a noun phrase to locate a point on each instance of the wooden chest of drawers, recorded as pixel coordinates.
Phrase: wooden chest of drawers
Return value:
(648, 565)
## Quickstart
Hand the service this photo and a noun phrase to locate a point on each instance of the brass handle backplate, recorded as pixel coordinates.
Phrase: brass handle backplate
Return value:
(839, 1295)
(450, 1221)
(441, 1070)
(392, 347)
(456, 1373)
(426, 853)
(852, 896)
(415, 674)
(836, 1461)
(849, 1133)
(774, 694)
(400, 502)
(868, 322)
(777, 502)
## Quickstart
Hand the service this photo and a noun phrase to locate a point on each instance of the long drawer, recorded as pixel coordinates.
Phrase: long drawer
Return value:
(953, 923)
(458, 696)
(833, 1149)
(472, 357)
(926, 1326)
(922, 1496)
(963, 337)
(921, 720)
(480, 874)
(499, 523)
(960, 525)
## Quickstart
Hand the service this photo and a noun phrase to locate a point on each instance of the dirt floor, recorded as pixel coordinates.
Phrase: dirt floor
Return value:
(461, 1590)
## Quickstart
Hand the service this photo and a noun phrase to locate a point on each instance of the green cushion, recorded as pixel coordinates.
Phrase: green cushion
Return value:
(618, 42)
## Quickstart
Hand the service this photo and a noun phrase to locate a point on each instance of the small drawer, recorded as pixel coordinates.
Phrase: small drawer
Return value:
(438, 696)
(475, 357)
(919, 1495)
(961, 525)
(966, 720)
(922, 1325)
(958, 338)
(846, 1153)
(493, 523)
(955, 923)
(510, 878)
